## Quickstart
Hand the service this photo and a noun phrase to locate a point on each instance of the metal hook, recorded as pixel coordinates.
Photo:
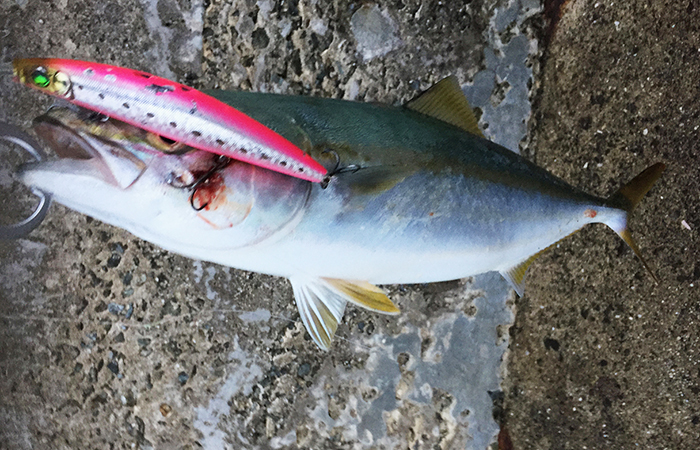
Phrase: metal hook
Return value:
(337, 170)
(11, 133)
(219, 163)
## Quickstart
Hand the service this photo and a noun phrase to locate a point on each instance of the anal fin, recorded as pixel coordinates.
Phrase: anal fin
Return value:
(321, 303)
(515, 276)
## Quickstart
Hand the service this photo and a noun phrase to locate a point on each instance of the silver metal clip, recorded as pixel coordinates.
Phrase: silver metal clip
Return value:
(11, 133)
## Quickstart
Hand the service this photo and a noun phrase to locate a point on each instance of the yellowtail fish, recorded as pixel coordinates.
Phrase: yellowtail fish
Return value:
(415, 195)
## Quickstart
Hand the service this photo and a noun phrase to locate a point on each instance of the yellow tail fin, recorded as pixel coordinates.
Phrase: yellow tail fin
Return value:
(627, 198)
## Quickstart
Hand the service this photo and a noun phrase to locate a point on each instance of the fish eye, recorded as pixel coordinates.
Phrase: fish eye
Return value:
(40, 77)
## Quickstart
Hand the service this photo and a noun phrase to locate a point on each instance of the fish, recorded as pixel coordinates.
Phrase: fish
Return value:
(179, 114)
(416, 194)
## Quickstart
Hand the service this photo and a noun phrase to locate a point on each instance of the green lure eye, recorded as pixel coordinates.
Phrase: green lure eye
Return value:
(40, 77)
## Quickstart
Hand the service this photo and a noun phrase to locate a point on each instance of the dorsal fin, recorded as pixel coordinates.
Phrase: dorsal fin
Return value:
(446, 101)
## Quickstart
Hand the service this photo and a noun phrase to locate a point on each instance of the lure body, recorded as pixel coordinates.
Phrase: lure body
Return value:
(412, 199)
(172, 110)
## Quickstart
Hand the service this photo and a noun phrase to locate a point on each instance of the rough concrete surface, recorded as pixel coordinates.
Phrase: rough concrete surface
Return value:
(109, 342)
(600, 356)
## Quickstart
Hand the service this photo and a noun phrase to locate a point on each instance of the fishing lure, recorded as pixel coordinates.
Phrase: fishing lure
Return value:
(178, 113)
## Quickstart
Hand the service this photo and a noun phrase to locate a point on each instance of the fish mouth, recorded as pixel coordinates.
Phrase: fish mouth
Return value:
(79, 151)
(66, 142)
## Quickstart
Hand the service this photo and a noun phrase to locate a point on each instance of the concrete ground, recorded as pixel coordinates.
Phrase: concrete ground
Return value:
(109, 342)
(600, 355)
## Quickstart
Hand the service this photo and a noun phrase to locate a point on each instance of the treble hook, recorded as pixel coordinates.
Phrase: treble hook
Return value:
(219, 163)
(11, 133)
(336, 170)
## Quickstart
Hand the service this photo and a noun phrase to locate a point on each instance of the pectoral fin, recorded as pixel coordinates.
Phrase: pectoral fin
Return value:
(321, 303)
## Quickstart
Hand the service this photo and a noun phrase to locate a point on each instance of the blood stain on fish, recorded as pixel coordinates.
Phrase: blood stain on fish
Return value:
(209, 192)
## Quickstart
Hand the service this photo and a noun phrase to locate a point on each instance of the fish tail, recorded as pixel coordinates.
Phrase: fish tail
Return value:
(627, 198)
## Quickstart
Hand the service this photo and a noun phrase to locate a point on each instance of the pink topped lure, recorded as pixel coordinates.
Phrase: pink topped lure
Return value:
(172, 110)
